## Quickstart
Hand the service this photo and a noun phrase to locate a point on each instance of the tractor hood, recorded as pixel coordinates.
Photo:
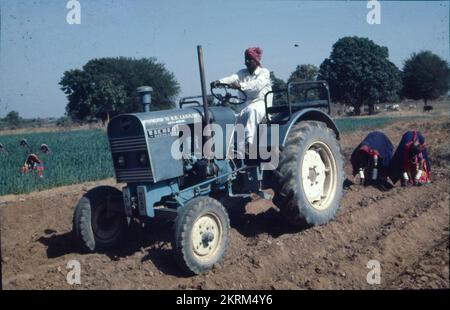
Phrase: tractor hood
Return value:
(141, 144)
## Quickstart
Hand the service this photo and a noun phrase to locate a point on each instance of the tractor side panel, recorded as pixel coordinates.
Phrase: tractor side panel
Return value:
(162, 130)
(222, 116)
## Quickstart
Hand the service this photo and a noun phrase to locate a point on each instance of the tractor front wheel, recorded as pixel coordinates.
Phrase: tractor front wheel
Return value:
(201, 234)
(99, 221)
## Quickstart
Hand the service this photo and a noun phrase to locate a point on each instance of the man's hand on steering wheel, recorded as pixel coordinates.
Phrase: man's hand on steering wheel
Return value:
(228, 98)
(235, 85)
(214, 83)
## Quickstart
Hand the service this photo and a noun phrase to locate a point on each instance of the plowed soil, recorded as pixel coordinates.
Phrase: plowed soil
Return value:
(405, 229)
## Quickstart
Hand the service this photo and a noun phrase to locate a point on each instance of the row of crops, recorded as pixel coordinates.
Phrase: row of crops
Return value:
(81, 156)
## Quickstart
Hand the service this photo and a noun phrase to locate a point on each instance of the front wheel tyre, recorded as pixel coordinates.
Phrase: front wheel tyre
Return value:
(201, 234)
(99, 221)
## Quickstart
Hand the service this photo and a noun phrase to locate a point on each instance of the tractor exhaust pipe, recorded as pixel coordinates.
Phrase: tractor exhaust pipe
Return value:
(205, 100)
(203, 83)
(145, 93)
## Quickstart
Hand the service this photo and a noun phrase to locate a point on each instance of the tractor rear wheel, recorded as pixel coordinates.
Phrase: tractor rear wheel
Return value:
(201, 234)
(310, 175)
(99, 220)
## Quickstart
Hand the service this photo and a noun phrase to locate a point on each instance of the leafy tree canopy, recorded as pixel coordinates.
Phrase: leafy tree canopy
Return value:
(359, 72)
(277, 84)
(304, 73)
(110, 84)
(425, 76)
(13, 118)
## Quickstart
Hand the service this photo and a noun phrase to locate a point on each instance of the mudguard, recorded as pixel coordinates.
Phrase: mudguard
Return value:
(307, 115)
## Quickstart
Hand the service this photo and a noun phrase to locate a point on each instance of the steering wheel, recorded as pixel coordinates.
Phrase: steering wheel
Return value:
(224, 100)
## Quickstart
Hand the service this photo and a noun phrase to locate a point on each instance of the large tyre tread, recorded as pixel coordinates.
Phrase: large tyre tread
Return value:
(82, 222)
(286, 185)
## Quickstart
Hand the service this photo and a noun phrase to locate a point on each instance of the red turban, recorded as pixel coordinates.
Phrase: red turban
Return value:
(254, 53)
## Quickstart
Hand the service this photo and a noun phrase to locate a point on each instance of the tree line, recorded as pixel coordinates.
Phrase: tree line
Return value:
(358, 71)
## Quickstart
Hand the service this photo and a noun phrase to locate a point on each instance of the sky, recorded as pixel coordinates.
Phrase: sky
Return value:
(37, 44)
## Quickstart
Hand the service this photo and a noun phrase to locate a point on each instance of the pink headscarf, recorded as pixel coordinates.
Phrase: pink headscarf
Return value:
(255, 53)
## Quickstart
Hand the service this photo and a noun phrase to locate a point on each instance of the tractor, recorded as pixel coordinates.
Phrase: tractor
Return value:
(306, 181)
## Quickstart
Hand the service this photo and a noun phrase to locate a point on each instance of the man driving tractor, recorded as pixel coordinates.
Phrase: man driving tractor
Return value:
(255, 82)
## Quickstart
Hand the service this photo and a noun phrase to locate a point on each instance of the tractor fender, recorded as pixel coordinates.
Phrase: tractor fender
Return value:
(307, 115)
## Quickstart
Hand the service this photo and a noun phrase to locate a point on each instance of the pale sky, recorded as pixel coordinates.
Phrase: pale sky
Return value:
(37, 45)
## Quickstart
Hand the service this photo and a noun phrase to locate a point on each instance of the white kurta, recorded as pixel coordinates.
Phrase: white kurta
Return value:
(256, 86)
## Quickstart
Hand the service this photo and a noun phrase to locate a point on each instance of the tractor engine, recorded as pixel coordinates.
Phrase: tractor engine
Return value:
(141, 147)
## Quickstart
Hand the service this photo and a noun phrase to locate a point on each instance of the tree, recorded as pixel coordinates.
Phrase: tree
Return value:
(13, 119)
(425, 76)
(110, 84)
(304, 73)
(359, 72)
(277, 84)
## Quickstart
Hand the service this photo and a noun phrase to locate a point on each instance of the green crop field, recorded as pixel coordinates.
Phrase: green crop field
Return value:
(348, 124)
(76, 157)
(81, 156)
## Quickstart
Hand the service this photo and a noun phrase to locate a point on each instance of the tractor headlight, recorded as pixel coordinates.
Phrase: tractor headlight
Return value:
(142, 159)
(121, 161)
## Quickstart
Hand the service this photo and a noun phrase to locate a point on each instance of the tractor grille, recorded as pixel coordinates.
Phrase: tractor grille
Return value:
(129, 146)
(134, 175)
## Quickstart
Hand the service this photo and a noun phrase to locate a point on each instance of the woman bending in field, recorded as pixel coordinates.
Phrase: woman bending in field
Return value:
(33, 163)
(371, 159)
(410, 163)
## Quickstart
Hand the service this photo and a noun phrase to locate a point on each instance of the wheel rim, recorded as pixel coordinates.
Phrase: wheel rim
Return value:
(318, 170)
(104, 226)
(206, 237)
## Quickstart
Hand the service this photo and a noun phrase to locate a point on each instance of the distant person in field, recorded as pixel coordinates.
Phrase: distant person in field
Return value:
(255, 82)
(24, 143)
(411, 164)
(44, 149)
(371, 158)
(33, 163)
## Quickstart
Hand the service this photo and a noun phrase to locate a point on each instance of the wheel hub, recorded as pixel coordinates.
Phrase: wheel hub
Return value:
(313, 175)
(205, 236)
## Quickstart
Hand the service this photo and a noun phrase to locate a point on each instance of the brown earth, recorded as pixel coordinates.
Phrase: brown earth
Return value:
(405, 229)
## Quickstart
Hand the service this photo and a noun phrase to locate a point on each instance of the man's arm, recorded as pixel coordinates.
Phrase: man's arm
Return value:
(230, 79)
